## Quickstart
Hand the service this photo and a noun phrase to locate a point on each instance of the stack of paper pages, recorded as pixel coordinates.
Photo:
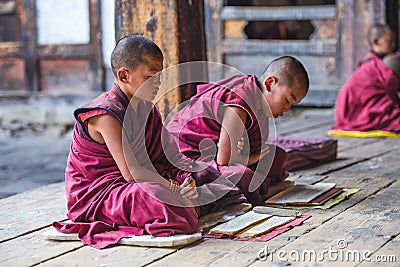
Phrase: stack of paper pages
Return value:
(251, 224)
(305, 195)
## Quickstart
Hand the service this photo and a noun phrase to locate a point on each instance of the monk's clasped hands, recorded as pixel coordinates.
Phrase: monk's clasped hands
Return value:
(188, 188)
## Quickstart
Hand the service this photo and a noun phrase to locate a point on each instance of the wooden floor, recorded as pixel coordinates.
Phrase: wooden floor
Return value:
(366, 224)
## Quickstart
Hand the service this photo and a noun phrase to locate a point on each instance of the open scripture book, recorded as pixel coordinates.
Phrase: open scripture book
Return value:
(305, 195)
(252, 224)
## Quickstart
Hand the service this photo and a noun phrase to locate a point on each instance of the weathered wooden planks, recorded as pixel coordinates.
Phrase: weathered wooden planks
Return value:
(366, 227)
(32, 210)
(366, 221)
(127, 254)
(388, 255)
(381, 165)
(33, 248)
(248, 252)
(114, 256)
(244, 253)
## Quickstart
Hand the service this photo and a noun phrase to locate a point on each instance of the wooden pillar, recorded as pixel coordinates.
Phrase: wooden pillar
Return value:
(176, 26)
(346, 43)
(354, 18)
(27, 13)
(96, 58)
(192, 40)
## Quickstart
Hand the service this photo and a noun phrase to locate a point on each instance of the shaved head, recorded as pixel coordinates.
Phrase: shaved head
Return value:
(377, 31)
(288, 71)
(132, 51)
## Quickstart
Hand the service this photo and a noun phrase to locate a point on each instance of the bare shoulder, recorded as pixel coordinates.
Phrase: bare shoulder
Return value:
(101, 125)
(234, 112)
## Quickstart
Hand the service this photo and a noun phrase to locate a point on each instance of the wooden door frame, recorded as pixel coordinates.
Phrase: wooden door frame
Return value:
(31, 52)
(347, 48)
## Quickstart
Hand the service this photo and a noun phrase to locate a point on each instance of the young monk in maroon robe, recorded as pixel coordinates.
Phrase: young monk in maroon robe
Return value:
(212, 126)
(118, 179)
(369, 99)
(381, 39)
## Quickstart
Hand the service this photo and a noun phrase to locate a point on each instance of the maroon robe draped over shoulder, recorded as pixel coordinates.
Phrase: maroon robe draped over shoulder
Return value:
(197, 127)
(369, 99)
(102, 205)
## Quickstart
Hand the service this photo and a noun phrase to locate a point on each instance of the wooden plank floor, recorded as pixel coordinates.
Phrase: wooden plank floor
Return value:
(361, 231)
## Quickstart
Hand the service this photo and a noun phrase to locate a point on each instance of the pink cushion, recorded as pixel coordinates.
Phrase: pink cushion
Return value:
(305, 152)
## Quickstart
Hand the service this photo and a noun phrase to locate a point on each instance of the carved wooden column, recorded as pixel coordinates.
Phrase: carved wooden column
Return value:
(176, 26)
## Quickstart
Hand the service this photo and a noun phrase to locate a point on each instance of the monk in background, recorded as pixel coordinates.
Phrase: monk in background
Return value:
(369, 99)
(381, 39)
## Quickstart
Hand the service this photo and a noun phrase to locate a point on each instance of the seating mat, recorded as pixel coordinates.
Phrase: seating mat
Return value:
(366, 134)
(140, 240)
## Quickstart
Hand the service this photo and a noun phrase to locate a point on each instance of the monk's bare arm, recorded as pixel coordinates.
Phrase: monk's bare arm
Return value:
(107, 129)
(231, 131)
(230, 137)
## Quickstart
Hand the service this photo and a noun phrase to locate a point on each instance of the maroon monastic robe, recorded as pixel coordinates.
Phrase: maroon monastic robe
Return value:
(197, 128)
(369, 99)
(102, 206)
